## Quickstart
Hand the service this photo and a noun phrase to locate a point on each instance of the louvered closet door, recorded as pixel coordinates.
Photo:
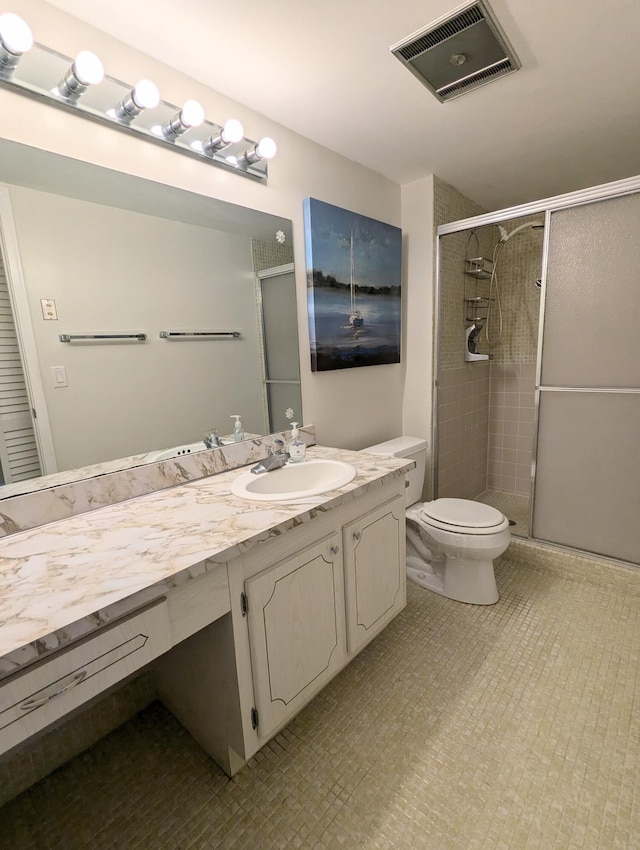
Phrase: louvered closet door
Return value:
(18, 448)
(587, 494)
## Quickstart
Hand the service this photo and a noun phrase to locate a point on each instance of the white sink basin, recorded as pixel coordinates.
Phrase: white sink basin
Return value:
(294, 481)
(178, 451)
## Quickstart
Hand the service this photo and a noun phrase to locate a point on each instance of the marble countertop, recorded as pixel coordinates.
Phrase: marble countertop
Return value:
(54, 576)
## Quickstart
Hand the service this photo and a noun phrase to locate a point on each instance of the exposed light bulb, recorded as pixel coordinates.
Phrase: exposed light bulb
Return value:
(86, 70)
(191, 115)
(15, 39)
(232, 132)
(144, 95)
(265, 149)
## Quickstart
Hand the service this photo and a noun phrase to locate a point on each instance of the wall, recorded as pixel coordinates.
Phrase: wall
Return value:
(417, 353)
(351, 408)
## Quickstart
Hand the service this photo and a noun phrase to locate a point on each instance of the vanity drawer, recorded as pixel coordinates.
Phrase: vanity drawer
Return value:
(32, 700)
(198, 602)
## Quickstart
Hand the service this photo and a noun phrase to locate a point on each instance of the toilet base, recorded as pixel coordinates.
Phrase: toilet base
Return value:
(464, 580)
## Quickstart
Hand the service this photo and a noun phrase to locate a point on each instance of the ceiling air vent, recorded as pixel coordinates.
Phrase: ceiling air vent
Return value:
(459, 52)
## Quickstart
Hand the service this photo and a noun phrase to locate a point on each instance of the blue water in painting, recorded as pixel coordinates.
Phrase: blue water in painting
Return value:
(338, 345)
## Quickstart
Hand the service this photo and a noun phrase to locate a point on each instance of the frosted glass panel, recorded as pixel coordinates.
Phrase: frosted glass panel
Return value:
(592, 310)
(280, 327)
(587, 490)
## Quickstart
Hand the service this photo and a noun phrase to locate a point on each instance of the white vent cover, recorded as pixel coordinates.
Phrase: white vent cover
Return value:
(459, 52)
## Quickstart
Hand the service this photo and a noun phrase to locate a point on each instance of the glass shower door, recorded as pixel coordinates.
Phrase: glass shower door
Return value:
(587, 481)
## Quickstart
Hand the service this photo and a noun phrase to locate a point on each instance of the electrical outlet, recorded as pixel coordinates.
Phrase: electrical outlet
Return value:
(49, 309)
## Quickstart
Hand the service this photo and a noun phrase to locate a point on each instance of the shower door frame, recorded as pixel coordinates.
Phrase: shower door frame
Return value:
(546, 206)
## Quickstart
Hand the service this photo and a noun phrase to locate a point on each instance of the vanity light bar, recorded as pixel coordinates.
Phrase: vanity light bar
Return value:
(200, 334)
(81, 85)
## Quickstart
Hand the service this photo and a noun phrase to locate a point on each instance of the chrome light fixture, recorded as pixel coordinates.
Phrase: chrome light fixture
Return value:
(144, 95)
(232, 132)
(86, 70)
(15, 39)
(137, 110)
(191, 115)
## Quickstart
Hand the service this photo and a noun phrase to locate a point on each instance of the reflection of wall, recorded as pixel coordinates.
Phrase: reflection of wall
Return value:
(114, 270)
(463, 394)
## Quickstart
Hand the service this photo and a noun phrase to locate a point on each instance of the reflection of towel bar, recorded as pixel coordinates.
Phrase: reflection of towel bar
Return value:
(200, 334)
(136, 337)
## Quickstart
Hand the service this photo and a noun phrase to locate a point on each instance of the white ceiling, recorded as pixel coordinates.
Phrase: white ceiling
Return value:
(569, 119)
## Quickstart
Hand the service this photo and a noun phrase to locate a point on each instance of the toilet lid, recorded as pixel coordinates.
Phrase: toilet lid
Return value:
(462, 512)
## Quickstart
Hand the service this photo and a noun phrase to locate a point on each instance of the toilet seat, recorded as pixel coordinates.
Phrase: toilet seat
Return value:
(462, 516)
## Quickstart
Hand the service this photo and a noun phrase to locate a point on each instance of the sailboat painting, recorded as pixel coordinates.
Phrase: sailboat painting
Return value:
(354, 266)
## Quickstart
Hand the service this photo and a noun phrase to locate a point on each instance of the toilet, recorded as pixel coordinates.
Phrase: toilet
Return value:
(451, 543)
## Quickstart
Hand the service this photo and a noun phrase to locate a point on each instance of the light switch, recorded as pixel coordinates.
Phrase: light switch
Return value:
(59, 374)
(49, 309)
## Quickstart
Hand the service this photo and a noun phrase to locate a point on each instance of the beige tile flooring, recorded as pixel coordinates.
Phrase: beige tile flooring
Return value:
(460, 727)
(513, 506)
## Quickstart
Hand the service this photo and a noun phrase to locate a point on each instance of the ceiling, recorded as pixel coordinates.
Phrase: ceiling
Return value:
(569, 119)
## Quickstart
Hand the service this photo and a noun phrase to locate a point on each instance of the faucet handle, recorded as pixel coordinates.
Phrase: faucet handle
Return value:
(278, 447)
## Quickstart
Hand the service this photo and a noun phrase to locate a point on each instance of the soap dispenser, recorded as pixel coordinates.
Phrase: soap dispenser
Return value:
(296, 447)
(238, 433)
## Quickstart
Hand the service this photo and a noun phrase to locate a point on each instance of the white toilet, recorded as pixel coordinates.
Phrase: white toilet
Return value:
(451, 543)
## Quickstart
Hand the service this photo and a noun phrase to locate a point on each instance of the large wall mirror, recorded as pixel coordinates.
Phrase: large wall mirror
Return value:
(101, 253)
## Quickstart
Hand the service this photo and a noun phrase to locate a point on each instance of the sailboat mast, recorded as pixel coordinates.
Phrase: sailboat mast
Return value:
(353, 289)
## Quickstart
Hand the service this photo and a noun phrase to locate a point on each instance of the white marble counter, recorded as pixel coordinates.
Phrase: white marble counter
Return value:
(90, 568)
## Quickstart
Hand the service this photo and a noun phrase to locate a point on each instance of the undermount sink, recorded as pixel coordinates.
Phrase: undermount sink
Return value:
(294, 481)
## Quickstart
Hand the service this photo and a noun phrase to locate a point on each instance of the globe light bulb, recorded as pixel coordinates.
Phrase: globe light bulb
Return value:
(88, 69)
(145, 95)
(191, 114)
(232, 131)
(15, 34)
(266, 148)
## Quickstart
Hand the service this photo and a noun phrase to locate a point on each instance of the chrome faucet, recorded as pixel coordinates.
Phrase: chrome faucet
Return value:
(276, 459)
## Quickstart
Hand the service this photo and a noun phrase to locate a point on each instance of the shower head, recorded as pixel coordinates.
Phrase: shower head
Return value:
(505, 236)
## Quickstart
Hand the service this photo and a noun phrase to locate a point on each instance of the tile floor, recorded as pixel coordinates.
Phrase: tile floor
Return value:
(512, 505)
(460, 727)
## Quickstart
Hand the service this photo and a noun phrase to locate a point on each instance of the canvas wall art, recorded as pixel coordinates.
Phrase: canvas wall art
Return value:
(354, 268)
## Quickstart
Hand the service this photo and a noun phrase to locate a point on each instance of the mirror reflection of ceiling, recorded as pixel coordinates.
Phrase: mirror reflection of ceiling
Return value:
(120, 253)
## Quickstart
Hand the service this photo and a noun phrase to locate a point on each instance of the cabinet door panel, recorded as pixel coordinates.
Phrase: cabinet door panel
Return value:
(296, 630)
(375, 578)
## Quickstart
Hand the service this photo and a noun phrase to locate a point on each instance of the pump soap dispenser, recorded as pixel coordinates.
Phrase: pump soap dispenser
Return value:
(238, 432)
(296, 447)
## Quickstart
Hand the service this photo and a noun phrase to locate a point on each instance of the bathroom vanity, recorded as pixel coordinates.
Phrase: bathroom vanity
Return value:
(243, 610)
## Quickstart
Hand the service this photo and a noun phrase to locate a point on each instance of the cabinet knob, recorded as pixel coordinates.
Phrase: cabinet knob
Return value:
(357, 535)
(334, 550)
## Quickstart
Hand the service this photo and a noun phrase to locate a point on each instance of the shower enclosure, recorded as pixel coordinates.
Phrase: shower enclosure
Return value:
(546, 428)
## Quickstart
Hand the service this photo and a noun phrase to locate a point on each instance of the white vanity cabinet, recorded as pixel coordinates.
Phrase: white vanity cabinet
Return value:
(295, 618)
(374, 571)
(302, 605)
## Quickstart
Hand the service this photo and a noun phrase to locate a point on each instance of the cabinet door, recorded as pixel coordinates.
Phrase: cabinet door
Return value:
(375, 573)
(296, 630)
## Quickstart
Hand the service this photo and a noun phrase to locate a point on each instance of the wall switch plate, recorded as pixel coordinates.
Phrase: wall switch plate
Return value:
(49, 309)
(59, 375)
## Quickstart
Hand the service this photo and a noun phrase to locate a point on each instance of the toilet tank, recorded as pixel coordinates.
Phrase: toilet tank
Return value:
(410, 447)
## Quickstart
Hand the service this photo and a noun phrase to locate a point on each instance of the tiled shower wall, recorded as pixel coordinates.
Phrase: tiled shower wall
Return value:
(463, 388)
(513, 363)
(485, 409)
